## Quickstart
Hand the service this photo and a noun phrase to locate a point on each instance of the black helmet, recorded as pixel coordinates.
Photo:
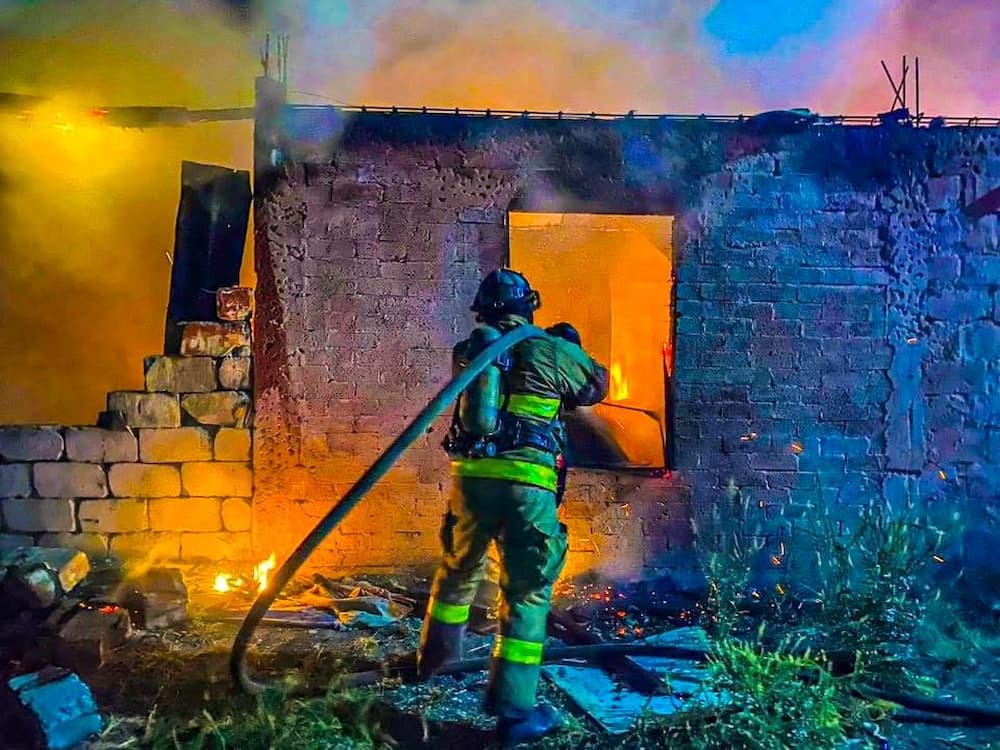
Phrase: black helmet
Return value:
(505, 291)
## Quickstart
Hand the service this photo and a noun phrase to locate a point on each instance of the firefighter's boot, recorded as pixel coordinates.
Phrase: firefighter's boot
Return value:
(517, 727)
(440, 644)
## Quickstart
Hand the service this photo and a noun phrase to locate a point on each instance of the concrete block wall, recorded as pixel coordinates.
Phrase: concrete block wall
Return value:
(835, 320)
(167, 474)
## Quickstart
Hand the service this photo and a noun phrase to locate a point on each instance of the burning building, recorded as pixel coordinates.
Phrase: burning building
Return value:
(798, 314)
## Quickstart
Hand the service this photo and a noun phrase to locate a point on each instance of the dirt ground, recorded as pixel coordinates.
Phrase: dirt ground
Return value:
(183, 673)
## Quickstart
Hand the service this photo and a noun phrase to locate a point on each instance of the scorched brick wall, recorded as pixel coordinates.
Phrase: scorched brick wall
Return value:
(836, 320)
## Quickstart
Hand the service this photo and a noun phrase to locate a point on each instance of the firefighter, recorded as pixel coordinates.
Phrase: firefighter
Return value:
(504, 442)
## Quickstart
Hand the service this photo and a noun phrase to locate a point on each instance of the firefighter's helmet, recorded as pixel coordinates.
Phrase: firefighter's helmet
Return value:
(505, 291)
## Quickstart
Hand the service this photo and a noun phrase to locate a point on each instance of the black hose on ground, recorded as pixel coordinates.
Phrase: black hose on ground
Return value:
(408, 672)
(423, 421)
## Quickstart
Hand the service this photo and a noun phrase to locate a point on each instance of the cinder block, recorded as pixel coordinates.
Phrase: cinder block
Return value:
(180, 374)
(225, 408)
(113, 516)
(30, 444)
(147, 546)
(15, 480)
(218, 546)
(175, 445)
(34, 514)
(213, 339)
(87, 640)
(97, 446)
(234, 373)
(94, 545)
(232, 444)
(141, 409)
(67, 479)
(217, 480)
(234, 303)
(140, 480)
(236, 514)
(185, 514)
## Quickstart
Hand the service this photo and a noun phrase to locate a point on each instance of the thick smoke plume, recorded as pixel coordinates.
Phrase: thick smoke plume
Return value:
(88, 211)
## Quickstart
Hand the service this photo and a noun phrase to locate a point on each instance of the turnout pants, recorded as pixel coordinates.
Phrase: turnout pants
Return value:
(532, 545)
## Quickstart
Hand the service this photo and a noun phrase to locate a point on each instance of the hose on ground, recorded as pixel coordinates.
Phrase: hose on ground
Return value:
(416, 428)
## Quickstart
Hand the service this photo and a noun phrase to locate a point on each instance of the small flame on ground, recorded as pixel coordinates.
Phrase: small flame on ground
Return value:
(262, 570)
(224, 582)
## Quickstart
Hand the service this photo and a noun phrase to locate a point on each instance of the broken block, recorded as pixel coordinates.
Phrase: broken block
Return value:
(67, 479)
(174, 445)
(234, 373)
(225, 408)
(141, 409)
(232, 444)
(156, 600)
(30, 444)
(86, 641)
(234, 303)
(37, 576)
(51, 709)
(180, 374)
(213, 339)
(97, 446)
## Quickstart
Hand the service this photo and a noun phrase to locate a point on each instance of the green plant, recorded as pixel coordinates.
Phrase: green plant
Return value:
(338, 720)
(869, 590)
(728, 543)
(763, 701)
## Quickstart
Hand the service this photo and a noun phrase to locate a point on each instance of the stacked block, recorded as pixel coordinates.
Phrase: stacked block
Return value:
(166, 474)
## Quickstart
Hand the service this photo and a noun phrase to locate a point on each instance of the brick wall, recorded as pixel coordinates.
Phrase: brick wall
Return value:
(836, 319)
(166, 477)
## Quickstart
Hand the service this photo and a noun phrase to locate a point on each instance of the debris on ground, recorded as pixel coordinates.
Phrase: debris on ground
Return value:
(50, 709)
(37, 577)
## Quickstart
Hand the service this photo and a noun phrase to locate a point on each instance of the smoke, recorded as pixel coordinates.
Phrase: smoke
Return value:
(88, 211)
(956, 44)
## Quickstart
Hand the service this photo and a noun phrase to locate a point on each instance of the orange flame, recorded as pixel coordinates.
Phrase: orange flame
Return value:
(225, 582)
(619, 383)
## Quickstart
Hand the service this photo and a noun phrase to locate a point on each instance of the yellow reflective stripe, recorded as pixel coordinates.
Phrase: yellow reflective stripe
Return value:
(524, 472)
(525, 405)
(449, 614)
(521, 652)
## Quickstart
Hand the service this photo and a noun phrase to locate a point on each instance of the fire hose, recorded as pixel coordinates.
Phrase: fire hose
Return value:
(358, 491)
